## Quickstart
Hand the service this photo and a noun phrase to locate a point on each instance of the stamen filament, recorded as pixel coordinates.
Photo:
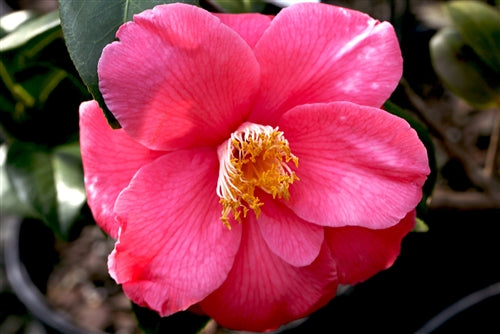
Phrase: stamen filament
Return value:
(256, 156)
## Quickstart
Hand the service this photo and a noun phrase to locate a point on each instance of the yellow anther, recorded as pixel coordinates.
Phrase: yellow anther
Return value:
(256, 156)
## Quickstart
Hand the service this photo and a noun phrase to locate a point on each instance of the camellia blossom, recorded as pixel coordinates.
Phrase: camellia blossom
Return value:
(254, 170)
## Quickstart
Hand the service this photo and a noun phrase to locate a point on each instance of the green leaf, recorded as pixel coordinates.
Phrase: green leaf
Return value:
(479, 25)
(9, 202)
(88, 26)
(424, 136)
(239, 6)
(420, 226)
(12, 21)
(29, 30)
(181, 322)
(68, 179)
(462, 71)
(47, 183)
(29, 171)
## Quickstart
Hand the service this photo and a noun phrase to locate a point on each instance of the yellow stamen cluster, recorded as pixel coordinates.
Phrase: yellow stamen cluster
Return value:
(256, 156)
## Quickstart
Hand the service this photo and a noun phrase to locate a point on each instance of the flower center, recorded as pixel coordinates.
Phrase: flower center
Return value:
(256, 156)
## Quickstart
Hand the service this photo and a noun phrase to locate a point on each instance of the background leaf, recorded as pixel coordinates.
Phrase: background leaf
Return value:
(9, 201)
(29, 170)
(88, 26)
(46, 184)
(68, 182)
(479, 25)
(12, 21)
(239, 6)
(40, 88)
(29, 30)
(462, 71)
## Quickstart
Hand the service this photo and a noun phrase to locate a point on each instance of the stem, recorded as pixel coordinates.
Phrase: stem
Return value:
(463, 304)
(475, 173)
(19, 93)
(491, 154)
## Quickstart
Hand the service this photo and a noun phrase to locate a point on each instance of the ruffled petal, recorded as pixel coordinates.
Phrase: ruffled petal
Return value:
(294, 240)
(173, 250)
(263, 292)
(178, 78)
(358, 166)
(360, 253)
(322, 53)
(249, 26)
(110, 160)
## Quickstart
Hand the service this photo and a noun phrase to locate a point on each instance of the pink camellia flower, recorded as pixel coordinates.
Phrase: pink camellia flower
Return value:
(254, 171)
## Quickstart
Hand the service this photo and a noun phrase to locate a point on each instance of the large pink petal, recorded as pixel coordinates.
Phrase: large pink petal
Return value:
(173, 249)
(262, 291)
(321, 53)
(178, 78)
(110, 159)
(358, 166)
(361, 253)
(249, 26)
(294, 240)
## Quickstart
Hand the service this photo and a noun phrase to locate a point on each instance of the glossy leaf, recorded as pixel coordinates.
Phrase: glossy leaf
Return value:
(9, 201)
(68, 180)
(88, 26)
(479, 25)
(34, 97)
(239, 6)
(29, 170)
(12, 21)
(48, 184)
(462, 71)
(25, 32)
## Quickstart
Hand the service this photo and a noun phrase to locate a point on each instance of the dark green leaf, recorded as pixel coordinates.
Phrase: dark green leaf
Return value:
(479, 25)
(70, 189)
(28, 31)
(12, 21)
(239, 6)
(462, 71)
(181, 322)
(9, 202)
(89, 26)
(30, 173)
(424, 136)
(40, 104)
(48, 184)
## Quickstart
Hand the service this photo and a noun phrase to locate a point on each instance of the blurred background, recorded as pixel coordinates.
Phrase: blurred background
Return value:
(54, 279)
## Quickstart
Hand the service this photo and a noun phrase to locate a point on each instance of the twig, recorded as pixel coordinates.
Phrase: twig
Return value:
(475, 173)
(463, 304)
(469, 200)
(491, 154)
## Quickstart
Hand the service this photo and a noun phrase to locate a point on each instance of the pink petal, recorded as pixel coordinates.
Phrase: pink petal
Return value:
(110, 159)
(262, 291)
(173, 249)
(178, 78)
(361, 253)
(321, 53)
(358, 165)
(249, 26)
(294, 240)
